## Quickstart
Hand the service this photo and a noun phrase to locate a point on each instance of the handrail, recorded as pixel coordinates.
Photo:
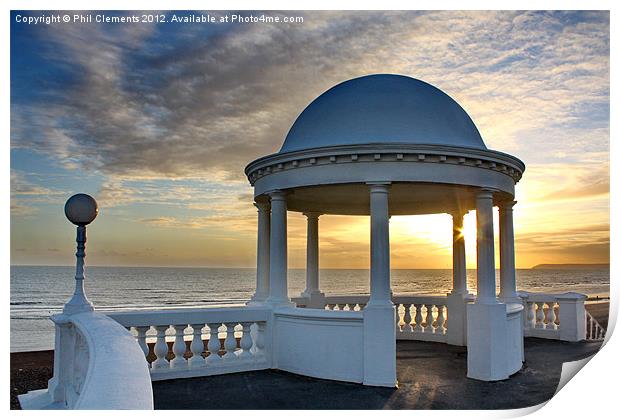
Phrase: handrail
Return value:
(117, 376)
(146, 318)
(97, 365)
(595, 330)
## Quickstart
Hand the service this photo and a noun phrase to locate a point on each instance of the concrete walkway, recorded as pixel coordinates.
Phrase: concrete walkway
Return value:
(431, 376)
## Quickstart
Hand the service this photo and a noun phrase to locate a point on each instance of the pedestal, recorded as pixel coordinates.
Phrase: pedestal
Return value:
(493, 353)
(456, 335)
(380, 346)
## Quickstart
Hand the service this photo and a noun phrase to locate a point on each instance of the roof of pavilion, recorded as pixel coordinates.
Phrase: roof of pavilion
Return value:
(384, 128)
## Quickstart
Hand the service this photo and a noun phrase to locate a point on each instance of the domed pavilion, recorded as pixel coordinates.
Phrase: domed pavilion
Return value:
(378, 145)
(383, 145)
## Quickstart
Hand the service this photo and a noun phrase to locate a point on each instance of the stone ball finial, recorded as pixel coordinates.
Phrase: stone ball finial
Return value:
(81, 209)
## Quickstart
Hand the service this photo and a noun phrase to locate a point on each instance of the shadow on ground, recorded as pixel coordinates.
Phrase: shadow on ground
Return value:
(430, 375)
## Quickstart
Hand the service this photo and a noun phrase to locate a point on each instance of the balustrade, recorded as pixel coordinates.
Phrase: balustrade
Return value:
(235, 340)
(425, 318)
(559, 317)
(418, 317)
(594, 330)
(541, 316)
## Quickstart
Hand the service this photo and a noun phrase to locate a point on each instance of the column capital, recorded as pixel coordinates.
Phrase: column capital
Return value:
(312, 214)
(263, 206)
(379, 186)
(506, 205)
(485, 193)
(457, 213)
(277, 195)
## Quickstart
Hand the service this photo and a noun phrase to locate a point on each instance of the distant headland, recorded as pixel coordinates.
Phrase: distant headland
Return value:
(570, 266)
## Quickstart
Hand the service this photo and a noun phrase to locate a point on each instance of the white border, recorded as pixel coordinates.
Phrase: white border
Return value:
(591, 393)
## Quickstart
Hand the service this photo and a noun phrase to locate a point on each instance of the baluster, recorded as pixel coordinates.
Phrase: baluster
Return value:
(418, 318)
(330, 306)
(407, 318)
(540, 315)
(551, 316)
(197, 346)
(178, 348)
(246, 341)
(398, 318)
(531, 315)
(230, 343)
(361, 306)
(260, 339)
(430, 318)
(352, 306)
(214, 344)
(591, 327)
(161, 348)
(142, 339)
(441, 319)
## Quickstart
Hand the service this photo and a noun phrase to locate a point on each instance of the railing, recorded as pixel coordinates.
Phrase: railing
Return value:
(594, 330)
(97, 365)
(223, 340)
(419, 317)
(559, 317)
(346, 302)
(542, 316)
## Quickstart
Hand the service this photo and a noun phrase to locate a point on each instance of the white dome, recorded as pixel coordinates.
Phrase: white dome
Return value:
(382, 108)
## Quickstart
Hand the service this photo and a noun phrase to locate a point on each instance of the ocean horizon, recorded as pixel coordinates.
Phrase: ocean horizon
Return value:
(37, 292)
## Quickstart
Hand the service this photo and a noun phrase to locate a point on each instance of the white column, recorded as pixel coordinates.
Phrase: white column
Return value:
(379, 246)
(380, 313)
(459, 265)
(262, 253)
(458, 297)
(507, 275)
(312, 292)
(485, 248)
(494, 328)
(278, 266)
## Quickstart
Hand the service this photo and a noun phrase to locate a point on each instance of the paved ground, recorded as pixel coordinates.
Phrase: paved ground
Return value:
(431, 376)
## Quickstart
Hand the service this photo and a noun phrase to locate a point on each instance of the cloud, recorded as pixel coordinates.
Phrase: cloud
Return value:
(147, 104)
(18, 209)
(21, 186)
(168, 120)
(25, 194)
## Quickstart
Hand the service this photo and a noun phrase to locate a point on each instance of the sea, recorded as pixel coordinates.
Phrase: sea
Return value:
(37, 292)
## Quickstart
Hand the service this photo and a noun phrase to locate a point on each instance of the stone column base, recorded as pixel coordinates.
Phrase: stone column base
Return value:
(493, 353)
(456, 335)
(380, 346)
(315, 299)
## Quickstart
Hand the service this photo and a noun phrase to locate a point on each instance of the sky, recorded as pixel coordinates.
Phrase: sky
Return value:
(157, 122)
